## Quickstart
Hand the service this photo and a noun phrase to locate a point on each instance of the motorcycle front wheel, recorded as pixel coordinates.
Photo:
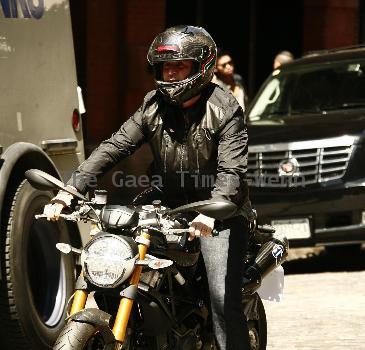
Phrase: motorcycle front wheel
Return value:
(85, 336)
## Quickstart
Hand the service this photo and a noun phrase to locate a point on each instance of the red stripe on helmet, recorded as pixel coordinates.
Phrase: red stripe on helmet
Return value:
(209, 59)
(174, 48)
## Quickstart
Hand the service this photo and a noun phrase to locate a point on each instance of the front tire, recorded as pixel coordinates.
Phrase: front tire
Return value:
(86, 336)
(75, 336)
(36, 280)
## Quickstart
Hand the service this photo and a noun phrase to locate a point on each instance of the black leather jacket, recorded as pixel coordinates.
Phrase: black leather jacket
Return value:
(199, 152)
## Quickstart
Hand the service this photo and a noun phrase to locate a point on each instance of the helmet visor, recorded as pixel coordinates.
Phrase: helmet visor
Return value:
(175, 71)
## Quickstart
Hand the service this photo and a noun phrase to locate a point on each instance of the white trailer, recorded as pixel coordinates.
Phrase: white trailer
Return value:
(40, 127)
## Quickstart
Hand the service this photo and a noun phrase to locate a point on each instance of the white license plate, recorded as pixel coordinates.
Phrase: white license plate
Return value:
(292, 228)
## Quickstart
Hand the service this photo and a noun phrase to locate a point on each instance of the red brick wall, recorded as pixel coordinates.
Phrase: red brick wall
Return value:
(118, 36)
(143, 20)
(330, 23)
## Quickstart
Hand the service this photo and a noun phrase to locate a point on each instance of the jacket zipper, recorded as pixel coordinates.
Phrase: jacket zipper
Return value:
(197, 160)
(183, 144)
(182, 157)
(165, 153)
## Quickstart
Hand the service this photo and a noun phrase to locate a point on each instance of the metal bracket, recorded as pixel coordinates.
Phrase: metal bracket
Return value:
(143, 240)
(81, 283)
(130, 292)
(153, 262)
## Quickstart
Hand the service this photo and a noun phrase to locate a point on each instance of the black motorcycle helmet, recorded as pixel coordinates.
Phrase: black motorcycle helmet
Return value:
(183, 43)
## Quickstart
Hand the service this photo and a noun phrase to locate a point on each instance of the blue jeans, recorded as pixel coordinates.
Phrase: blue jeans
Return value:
(224, 263)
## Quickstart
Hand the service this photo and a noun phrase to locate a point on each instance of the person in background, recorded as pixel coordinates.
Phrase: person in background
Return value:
(283, 57)
(227, 78)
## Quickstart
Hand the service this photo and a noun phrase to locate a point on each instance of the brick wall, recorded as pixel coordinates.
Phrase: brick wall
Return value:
(142, 21)
(330, 23)
(118, 37)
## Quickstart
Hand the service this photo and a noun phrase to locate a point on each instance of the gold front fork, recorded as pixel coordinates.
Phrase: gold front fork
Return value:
(125, 306)
(80, 296)
(79, 300)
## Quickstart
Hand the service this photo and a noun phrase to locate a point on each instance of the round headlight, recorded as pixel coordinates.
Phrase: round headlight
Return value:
(108, 260)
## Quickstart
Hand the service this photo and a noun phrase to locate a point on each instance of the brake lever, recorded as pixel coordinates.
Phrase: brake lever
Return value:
(64, 216)
(182, 231)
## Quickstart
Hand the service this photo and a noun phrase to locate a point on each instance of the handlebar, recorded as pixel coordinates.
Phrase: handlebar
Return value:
(70, 217)
(181, 231)
(176, 231)
(144, 223)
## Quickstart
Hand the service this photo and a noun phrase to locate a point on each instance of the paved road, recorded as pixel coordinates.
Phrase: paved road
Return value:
(323, 306)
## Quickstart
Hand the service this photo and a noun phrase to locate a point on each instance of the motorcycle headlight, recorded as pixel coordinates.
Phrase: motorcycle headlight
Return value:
(108, 260)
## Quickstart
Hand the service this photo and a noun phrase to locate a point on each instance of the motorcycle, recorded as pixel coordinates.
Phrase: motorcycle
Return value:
(148, 279)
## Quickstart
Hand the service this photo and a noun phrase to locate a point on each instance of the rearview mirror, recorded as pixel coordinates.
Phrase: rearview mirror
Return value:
(219, 209)
(45, 182)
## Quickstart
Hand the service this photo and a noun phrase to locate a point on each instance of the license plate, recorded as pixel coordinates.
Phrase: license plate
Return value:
(292, 228)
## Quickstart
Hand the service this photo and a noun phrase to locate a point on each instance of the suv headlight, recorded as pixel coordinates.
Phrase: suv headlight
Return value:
(108, 260)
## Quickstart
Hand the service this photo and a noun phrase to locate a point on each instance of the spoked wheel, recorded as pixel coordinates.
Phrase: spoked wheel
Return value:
(256, 318)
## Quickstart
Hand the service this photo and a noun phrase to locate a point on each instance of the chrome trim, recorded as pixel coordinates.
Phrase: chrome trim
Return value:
(59, 146)
(303, 145)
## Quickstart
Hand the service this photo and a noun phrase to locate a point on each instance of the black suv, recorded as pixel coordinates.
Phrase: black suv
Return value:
(306, 150)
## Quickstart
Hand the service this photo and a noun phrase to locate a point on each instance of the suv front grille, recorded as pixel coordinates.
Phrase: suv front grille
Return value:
(300, 163)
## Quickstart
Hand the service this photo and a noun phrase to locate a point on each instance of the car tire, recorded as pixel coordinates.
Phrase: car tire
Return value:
(36, 280)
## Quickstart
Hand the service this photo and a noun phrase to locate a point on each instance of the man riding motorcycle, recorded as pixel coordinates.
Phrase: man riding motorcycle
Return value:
(196, 132)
